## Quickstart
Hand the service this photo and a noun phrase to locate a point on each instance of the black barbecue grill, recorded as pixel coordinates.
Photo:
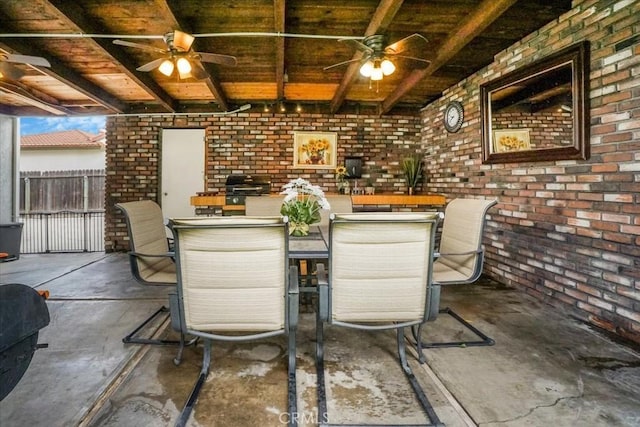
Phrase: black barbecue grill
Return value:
(23, 312)
(237, 187)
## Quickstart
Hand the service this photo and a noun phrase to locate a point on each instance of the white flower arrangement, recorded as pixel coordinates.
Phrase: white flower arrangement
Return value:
(302, 204)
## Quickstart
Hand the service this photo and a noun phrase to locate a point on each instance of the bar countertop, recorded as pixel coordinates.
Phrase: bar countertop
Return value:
(357, 199)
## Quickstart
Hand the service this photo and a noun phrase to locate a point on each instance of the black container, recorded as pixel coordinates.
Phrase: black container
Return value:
(10, 237)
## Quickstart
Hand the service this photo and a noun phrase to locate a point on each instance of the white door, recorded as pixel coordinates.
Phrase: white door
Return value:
(182, 170)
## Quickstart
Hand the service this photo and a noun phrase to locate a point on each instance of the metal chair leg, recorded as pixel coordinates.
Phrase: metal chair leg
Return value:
(193, 397)
(483, 341)
(292, 398)
(417, 389)
(320, 380)
(183, 343)
(131, 338)
(402, 355)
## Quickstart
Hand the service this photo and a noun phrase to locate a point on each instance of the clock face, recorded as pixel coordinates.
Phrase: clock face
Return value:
(453, 116)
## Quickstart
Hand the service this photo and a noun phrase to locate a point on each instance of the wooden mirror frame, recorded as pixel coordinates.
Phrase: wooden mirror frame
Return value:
(577, 56)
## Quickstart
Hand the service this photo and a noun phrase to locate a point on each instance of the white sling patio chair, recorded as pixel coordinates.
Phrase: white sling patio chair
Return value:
(235, 284)
(150, 259)
(263, 205)
(459, 260)
(339, 204)
(379, 277)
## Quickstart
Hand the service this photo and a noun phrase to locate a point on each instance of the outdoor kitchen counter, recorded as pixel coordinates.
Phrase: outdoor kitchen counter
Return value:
(206, 205)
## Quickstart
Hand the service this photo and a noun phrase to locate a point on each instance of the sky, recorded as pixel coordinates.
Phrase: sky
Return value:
(36, 125)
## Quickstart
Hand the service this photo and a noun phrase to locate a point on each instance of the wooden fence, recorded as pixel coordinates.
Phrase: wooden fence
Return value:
(79, 190)
(62, 211)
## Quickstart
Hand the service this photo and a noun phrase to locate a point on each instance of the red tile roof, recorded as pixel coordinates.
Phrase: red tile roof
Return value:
(63, 139)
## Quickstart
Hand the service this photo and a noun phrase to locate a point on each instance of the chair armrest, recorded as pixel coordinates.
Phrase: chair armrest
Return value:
(439, 254)
(164, 255)
(293, 297)
(323, 293)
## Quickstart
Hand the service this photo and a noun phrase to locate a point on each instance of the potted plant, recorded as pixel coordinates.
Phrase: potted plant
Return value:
(369, 189)
(341, 180)
(412, 168)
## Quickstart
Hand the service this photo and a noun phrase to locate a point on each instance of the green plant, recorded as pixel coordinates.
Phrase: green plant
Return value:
(412, 167)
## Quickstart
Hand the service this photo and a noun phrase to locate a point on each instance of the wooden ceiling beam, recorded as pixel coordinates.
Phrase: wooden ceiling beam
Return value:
(39, 101)
(279, 10)
(66, 75)
(476, 22)
(214, 86)
(60, 71)
(74, 15)
(384, 14)
(9, 111)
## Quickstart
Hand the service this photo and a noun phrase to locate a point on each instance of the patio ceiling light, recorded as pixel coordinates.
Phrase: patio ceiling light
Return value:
(376, 68)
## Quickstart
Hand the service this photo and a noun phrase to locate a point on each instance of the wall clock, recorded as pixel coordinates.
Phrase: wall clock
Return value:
(453, 116)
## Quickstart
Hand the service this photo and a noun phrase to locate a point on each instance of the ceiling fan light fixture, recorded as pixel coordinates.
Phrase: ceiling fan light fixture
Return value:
(388, 67)
(376, 72)
(184, 67)
(366, 69)
(166, 67)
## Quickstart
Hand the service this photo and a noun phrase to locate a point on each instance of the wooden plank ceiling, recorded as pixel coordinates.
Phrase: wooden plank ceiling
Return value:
(282, 48)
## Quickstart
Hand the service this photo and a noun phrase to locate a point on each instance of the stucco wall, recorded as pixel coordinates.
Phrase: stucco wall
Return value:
(61, 159)
(567, 232)
(9, 134)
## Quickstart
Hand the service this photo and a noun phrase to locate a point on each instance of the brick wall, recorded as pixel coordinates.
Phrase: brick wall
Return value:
(259, 143)
(567, 232)
(546, 130)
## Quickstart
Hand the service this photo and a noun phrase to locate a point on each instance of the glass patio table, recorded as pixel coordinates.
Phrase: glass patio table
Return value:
(312, 246)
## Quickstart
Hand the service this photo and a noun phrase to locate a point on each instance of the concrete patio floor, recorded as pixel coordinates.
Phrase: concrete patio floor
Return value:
(545, 368)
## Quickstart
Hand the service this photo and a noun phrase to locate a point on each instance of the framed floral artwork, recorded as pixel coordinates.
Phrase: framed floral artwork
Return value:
(314, 150)
(509, 140)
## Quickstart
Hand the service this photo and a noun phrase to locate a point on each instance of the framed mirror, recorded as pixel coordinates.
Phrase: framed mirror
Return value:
(538, 112)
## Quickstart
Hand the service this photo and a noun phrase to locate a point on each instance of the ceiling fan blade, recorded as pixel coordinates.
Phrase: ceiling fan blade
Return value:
(10, 72)
(197, 71)
(26, 59)
(415, 42)
(416, 62)
(215, 58)
(182, 41)
(139, 46)
(151, 65)
(344, 63)
(357, 45)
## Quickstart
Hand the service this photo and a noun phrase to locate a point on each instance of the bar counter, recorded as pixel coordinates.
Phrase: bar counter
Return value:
(207, 205)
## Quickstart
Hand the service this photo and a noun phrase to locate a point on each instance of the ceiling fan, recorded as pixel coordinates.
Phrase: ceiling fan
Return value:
(14, 73)
(179, 56)
(377, 60)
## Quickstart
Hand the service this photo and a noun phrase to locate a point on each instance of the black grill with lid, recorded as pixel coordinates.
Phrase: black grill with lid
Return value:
(238, 186)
